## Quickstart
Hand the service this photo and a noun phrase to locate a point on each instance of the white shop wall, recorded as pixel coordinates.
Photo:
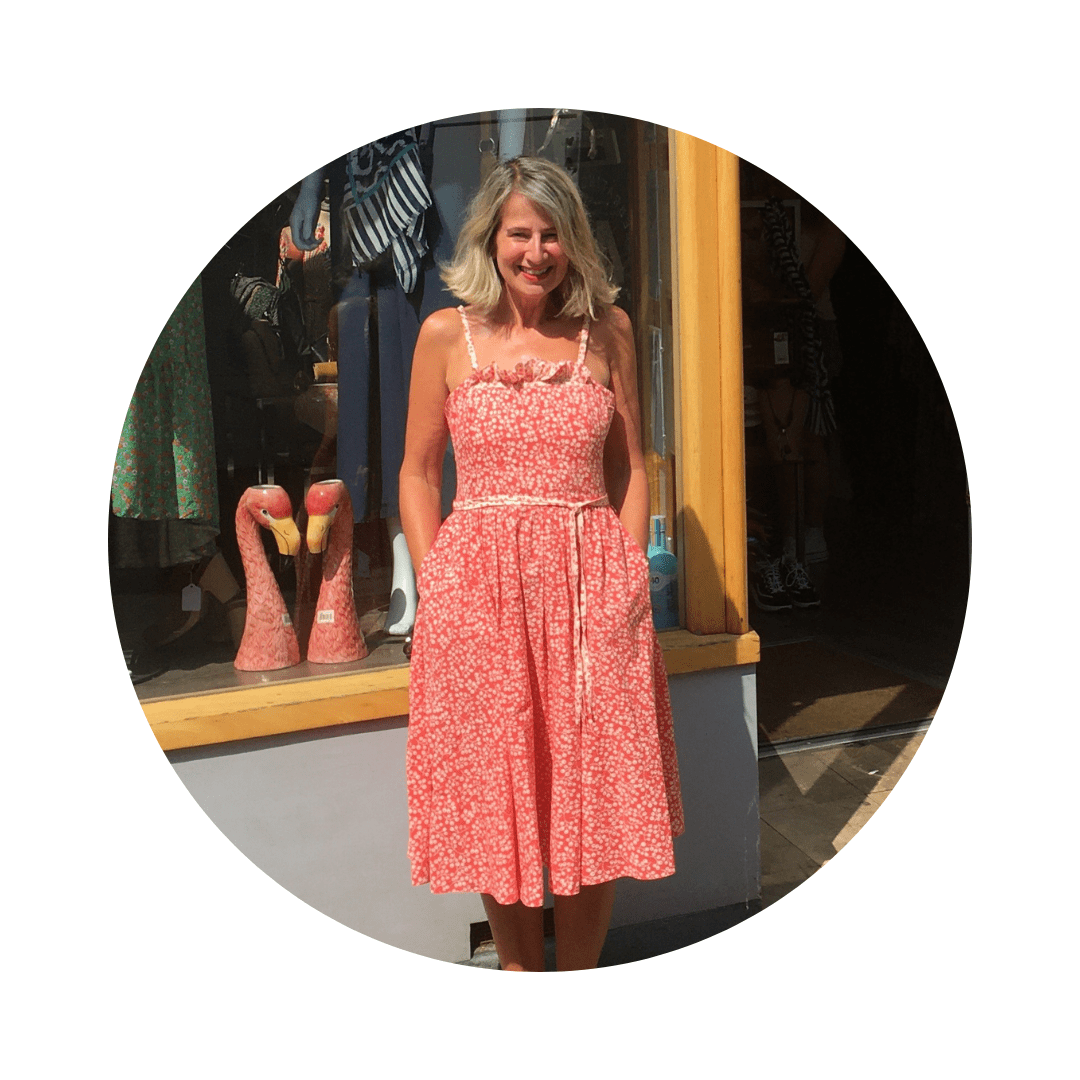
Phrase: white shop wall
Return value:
(324, 815)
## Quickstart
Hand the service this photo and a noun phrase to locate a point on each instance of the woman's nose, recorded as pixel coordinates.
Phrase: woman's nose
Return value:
(536, 248)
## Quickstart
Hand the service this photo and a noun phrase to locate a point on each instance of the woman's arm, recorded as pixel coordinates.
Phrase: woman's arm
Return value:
(420, 479)
(624, 465)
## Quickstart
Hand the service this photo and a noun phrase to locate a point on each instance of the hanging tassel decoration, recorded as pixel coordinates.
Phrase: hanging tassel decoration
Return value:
(784, 253)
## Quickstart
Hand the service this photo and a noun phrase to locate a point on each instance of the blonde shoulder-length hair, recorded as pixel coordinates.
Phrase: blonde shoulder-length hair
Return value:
(472, 276)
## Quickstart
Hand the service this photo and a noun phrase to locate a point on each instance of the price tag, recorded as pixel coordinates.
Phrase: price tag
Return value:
(780, 348)
(191, 598)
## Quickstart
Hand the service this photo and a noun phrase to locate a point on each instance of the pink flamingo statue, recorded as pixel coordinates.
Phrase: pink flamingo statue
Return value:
(335, 634)
(269, 640)
(317, 407)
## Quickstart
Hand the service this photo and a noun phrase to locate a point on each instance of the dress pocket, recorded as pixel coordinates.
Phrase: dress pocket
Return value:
(638, 604)
(634, 555)
(424, 569)
(638, 556)
(427, 572)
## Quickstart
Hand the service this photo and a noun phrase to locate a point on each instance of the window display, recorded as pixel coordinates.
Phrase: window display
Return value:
(790, 253)
(276, 399)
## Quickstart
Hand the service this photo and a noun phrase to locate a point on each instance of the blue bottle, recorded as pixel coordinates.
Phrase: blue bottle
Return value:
(663, 576)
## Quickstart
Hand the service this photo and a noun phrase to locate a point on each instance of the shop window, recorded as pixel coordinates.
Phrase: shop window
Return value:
(282, 367)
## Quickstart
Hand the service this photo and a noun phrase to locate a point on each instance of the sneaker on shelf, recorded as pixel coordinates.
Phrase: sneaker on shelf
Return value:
(815, 550)
(767, 587)
(797, 585)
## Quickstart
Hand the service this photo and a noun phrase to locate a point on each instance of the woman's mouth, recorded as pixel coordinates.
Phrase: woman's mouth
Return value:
(534, 274)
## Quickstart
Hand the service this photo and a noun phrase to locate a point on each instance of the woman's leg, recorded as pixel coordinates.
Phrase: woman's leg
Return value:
(581, 924)
(519, 934)
(817, 480)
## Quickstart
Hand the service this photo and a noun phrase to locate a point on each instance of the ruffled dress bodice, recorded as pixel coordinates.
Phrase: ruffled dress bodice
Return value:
(537, 429)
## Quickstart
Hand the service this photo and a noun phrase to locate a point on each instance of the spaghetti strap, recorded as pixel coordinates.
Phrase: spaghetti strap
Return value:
(583, 348)
(468, 337)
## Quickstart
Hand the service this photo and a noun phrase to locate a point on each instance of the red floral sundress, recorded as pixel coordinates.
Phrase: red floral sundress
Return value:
(540, 729)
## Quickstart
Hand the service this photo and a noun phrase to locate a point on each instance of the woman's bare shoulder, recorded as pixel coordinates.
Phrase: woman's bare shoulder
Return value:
(442, 327)
(612, 335)
(612, 326)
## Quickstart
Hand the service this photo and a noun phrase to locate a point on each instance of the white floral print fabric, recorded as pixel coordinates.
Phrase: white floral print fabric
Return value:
(540, 728)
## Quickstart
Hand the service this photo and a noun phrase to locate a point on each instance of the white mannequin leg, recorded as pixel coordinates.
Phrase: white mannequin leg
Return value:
(511, 133)
(402, 614)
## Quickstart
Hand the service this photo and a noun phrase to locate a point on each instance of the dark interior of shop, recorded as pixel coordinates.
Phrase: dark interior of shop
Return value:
(893, 589)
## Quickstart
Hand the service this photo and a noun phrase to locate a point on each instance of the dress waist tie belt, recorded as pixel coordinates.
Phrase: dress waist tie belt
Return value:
(576, 524)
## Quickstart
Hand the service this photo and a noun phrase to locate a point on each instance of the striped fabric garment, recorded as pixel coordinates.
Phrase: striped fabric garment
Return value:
(385, 201)
(784, 253)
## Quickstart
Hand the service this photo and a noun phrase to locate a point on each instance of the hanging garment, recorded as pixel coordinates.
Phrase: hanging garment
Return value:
(813, 376)
(540, 727)
(377, 330)
(385, 200)
(378, 322)
(165, 468)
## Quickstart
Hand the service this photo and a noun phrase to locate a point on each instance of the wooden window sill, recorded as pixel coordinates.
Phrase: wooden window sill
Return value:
(249, 712)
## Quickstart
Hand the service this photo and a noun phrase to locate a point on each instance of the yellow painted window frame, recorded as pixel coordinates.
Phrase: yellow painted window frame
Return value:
(710, 486)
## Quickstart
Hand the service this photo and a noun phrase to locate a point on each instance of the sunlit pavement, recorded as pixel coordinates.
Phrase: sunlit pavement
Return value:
(812, 802)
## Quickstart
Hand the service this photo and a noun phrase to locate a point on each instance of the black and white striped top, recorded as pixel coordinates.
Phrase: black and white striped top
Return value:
(385, 200)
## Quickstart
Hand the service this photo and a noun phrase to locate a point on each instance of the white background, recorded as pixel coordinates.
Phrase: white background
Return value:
(138, 941)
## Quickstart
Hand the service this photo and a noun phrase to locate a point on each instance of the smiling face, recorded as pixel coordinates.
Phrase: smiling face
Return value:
(528, 254)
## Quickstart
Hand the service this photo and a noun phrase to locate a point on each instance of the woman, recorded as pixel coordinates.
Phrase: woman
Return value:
(540, 727)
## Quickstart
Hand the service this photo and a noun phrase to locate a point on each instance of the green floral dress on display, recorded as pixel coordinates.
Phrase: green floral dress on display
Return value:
(165, 467)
